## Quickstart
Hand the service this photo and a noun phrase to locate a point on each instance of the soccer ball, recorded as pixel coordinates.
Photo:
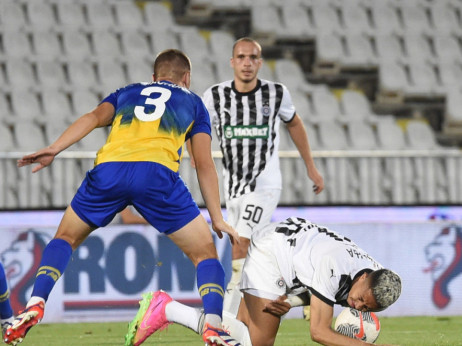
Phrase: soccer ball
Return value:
(355, 324)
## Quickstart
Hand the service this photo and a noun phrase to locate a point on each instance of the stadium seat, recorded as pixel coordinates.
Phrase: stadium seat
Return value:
(359, 53)
(135, 46)
(12, 16)
(221, 44)
(325, 18)
(158, 16)
(329, 54)
(19, 74)
(76, 46)
(223, 70)
(105, 44)
(388, 48)
(195, 45)
(355, 106)
(430, 178)
(393, 82)
(444, 19)
(415, 19)
(46, 46)
(50, 74)
(418, 49)
(366, 188)
(355, 19)
(203, 77)
(83, 101)
(397, 173)
(139, 71)
(266, 24)
(56, 107)
(40, 16)
(385, 18)
(450, 75)
(326, 108)
(128, 16)
(447, 48)
(4, 108)
(99, 16)
(452, 123)
(337, 172)
(302, 105)
(290, 73)
(70, 16)
(81, 74)
(423, 82)
(111, 76)
(24, 110)
(163, 40)
(296, 22)
(16, 44)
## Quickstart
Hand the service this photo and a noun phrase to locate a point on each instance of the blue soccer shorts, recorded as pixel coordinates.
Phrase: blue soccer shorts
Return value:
(158, 193)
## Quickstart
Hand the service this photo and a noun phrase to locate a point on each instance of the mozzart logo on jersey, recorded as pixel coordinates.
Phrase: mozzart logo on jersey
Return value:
(250, 131)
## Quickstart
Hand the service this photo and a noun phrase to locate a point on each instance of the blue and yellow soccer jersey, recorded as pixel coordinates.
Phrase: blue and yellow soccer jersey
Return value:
(152, 122)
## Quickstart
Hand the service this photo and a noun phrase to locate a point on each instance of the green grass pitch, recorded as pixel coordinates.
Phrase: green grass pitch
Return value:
(411, 331)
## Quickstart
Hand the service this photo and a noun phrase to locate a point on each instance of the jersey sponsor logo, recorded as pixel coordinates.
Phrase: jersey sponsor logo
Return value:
(250, 131)
(444, 255)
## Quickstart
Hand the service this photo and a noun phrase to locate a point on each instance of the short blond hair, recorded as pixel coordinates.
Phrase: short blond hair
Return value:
(171, 63)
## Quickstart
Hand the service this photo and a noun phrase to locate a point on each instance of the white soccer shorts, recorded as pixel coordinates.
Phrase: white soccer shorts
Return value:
(261, 276)
(252, 211)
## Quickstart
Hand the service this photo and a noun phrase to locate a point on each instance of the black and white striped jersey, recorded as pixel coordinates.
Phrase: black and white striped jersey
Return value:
(247, 127)
(318, 258)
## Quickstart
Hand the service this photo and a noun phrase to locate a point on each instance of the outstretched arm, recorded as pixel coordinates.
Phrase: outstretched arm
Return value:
(208, 182)
(100, 116)
(300, 138)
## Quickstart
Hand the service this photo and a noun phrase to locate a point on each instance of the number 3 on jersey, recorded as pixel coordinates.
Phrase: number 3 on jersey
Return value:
(163, 95)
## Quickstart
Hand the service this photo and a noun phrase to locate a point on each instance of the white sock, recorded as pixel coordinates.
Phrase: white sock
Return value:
(34, 300)
(237, 329)
(184, 315)
(233, 294)
(9, 320)
(214, 320)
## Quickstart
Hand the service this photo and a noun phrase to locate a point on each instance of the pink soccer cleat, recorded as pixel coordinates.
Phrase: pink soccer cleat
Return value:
(149, 319)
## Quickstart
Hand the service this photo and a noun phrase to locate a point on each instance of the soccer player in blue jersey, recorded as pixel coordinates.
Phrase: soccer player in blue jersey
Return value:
(6, 312)
(138, 166)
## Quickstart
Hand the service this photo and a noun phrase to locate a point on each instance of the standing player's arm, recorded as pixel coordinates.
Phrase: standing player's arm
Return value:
(300, 138)
(98, 117)
(321, 322)
(191, 156)
(207, 176)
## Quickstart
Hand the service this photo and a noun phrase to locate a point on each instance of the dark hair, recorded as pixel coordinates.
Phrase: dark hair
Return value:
(386, 287)
(246, 39)
(171, 63)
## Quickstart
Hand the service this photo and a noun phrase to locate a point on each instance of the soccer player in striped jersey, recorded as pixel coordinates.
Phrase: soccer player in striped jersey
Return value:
(138, 165)
(292, 263)
(246, 113)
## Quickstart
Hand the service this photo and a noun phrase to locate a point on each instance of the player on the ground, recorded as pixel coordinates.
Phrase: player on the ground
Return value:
(6, 312)
(292, 263)
(138, 166)
(246, 113)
